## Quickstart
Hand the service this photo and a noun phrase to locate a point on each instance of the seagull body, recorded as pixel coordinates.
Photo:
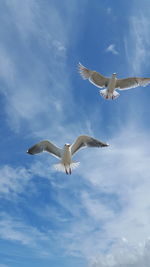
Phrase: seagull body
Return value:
(111, 84)
(65, 155)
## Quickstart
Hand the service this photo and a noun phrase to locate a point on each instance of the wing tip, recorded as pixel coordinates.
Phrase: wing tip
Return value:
(105, 145)
(29, 152)
(84, 72)
(80, 66)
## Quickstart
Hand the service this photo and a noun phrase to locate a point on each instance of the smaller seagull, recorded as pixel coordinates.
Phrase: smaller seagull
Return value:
(111, 84)
(65, 154)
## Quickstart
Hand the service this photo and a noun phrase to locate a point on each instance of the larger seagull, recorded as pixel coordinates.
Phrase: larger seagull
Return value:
(65, 154)
(111, 84)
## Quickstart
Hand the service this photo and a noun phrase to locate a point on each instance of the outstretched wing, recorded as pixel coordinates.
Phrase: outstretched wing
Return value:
(94, 77)
(45, 146)
(131, 82)
(85, 140)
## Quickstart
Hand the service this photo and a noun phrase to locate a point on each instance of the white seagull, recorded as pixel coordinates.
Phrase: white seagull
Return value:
(111, 84)
(65, 154)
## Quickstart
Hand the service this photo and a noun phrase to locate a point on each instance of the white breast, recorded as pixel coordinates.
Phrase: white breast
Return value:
(66, 156)
(111, 85)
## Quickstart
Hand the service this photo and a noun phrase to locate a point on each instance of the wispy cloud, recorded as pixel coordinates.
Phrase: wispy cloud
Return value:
(13, 181)
(35, 85)
(125, 254)
(23, 16)
(137, 41)
(109, 10)
(111, 48)
(95, 208)
(15, 230)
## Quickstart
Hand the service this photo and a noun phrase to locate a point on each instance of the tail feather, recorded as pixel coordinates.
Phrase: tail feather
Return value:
(74, 164)
(68, 168)
(115, 94)
(105, 94)
(59, 167)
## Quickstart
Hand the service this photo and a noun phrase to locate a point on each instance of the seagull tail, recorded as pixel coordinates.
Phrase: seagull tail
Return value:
(59, 167)
(74, 164)
(115, 95)
(105, 94)
(67, 169)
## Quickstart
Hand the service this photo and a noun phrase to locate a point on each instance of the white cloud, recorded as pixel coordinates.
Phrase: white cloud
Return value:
(35, 78)
(13, 181)
(111, 48)
(36, 82)
(23, 16)
(141, 37)
(109, 10)
(137, 41)
(7, 68)
(125, 254)
(16, 230)
(95, 208)
(58, 45)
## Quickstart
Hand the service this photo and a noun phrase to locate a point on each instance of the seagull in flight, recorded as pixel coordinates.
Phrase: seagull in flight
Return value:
(65, 154)
(111, 84)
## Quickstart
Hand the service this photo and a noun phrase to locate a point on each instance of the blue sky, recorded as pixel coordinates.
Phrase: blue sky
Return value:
(100, 215)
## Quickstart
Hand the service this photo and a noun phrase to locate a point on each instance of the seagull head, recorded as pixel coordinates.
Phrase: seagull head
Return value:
(67, 145)
(114, 74)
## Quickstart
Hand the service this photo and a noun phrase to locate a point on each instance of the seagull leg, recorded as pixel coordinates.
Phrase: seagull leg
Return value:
(66, 170)
(69, 170)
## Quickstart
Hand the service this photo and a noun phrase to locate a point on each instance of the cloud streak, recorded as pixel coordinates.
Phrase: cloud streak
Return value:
(35, 85)
(111, 48)
(15, 230)
(138, 40)
(13, 181)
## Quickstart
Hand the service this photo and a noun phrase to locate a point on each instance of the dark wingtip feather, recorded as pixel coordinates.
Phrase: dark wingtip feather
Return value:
(29, 152)
(105, 145)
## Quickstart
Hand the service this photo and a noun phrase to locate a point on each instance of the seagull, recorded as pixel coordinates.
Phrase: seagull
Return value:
(111, 84)
(65, 154)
